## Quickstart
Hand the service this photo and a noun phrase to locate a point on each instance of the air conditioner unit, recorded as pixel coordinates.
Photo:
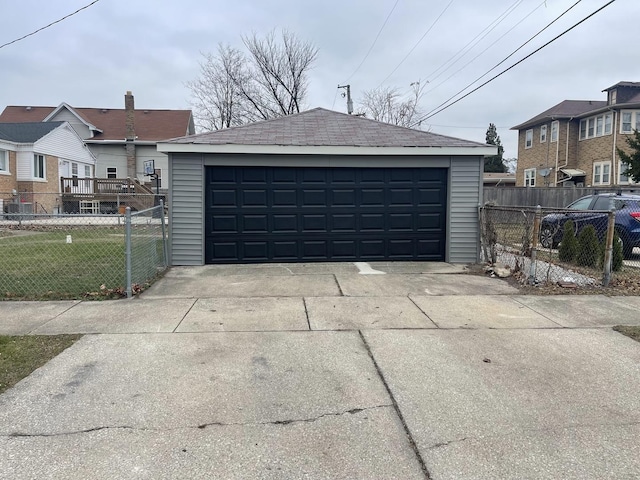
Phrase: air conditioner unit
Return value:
(580, 184)
(569, 183)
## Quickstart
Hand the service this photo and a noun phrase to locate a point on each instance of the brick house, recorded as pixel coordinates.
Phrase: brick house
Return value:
(120, 139)
(33, 157)
(574, 142)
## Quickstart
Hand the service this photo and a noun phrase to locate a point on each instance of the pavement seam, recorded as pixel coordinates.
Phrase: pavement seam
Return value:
(338, 285)
(396, 407)
(423, 312)
(185, 316)
(30, 332)
(539, 313)
(306, 312)
(202, 426)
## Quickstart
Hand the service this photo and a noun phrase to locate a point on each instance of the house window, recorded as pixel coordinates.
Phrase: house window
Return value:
(39, 166)
(4, 161)
(583, 129)
(601, 173)
(590, 127)
(74, 174)
(622, 175)
(607, 123)
(530, 177)
(554, 131)
(543, 134)
(613, 97)
(112, 172)
(528, 139)
(626, 122)
(87, 171)
(599, 125)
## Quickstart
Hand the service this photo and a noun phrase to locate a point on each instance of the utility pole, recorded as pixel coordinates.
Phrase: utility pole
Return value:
(348, 95)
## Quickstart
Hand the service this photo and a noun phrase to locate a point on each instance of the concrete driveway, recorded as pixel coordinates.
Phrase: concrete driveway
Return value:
(321, 371)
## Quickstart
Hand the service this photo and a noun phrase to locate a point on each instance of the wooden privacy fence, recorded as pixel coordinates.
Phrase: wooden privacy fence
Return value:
(549, 197)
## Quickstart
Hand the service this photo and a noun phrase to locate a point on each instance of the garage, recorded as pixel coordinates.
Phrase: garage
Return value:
(323, 186)
(280, 214)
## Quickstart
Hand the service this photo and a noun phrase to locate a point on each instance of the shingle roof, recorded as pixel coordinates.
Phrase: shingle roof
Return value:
(564, 109)
(623, 84)
(321, 127)
(150, 125)
(26, 132)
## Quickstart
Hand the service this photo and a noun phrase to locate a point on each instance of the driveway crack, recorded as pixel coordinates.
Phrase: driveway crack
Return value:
(202, 426)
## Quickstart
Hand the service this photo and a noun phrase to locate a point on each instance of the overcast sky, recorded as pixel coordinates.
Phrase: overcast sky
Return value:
(153, 47)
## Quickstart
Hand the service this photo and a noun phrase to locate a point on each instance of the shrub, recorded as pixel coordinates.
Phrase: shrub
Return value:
(569, 245)
(616, 253)
(588, 247)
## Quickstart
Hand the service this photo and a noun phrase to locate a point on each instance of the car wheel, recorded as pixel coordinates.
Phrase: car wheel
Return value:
(546, 237)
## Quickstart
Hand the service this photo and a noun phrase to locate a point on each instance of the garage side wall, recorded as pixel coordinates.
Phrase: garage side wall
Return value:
(465, 192)
(186, 209)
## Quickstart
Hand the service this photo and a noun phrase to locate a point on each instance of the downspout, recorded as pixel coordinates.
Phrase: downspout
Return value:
(566, 153)
(614, 162)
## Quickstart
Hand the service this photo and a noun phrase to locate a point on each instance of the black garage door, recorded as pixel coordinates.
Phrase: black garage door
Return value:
(280, 214)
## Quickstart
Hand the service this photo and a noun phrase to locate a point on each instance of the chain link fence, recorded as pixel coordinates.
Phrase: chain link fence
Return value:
(72, 256)
(561, 246)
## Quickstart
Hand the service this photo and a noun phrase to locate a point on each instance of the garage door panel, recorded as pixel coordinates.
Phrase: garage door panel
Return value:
(254, 198)
(284, 198)
(285, 223)
(273, 214)
(255, 224)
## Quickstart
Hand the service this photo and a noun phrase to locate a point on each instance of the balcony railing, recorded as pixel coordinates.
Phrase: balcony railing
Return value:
(101, 186)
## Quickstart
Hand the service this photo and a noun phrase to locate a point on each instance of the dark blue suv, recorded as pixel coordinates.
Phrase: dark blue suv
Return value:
(590, 210)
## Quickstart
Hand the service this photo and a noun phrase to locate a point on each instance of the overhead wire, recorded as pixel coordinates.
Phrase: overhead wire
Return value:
(443, 106)
(479, 37)
(417, 43)
(374, 42)
(49, 25)
(496, 41)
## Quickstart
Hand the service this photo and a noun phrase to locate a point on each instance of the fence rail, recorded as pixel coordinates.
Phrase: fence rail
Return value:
(550, 197)
(81, 256)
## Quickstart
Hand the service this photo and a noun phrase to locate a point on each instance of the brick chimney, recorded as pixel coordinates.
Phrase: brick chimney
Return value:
(130, 134)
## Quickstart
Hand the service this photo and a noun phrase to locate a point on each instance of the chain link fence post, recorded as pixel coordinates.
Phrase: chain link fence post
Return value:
(534, 245)
(608, 249)
(164, 236)
(127, 250)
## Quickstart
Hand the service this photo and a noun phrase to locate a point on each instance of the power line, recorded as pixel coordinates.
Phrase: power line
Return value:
(488, 29)
(496, 41)
(374, 42)
(416, 44)
(434, 112)
(47, 26)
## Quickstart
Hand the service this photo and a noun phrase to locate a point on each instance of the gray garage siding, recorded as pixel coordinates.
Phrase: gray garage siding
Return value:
(186, 214)
(187, 199)
(464, 195)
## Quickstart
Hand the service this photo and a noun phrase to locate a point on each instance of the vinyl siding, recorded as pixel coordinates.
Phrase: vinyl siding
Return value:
(186, 209)
(24, 165)
(65, 115)
(65, 144)
(465, 193)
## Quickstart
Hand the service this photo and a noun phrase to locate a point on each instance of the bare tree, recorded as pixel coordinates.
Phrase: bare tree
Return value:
(390, 105)
(269, 81)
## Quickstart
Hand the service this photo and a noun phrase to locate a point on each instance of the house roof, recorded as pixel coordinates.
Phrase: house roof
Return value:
(324, 128)
(564, 109)
(29, 132)
(150, 125)
(623, 84)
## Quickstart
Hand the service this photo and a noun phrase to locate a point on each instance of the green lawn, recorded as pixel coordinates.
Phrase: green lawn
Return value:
(42, 265)
(19, 356)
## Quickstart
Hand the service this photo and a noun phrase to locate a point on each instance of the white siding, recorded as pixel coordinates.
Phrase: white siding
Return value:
(465, 193)
(186, 209)
(65, 115)
(64, 143)
(109, 156)
(150, 152)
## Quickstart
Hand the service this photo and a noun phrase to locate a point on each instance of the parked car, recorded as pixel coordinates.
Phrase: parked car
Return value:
(591, 210)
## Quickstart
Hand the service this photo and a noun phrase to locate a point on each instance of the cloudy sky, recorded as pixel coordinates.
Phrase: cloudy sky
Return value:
(154, 47)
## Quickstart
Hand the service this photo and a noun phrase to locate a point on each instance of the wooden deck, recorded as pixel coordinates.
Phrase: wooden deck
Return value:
(100, 195)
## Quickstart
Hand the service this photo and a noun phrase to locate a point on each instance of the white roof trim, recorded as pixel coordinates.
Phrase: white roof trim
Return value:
(486, 151)
(74, 113)
(573, 172)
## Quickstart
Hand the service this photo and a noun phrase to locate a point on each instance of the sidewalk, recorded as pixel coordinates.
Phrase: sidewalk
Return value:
(321, 372)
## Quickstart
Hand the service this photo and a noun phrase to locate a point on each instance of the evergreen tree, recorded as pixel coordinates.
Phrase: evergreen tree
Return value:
(569, 244)
(632, 160)
(494, 164)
